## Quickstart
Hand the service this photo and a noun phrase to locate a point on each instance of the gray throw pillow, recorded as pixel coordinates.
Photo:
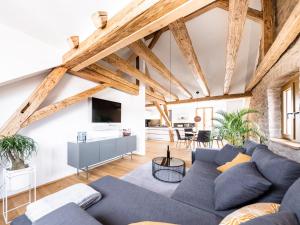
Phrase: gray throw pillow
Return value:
(280, 218)
(291, 200)
(228, 153)
(239, 185)
(279, 170)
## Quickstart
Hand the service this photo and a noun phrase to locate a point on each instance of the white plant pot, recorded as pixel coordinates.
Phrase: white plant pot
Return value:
(18, 179)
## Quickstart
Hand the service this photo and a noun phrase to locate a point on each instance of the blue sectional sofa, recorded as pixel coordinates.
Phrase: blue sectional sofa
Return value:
(192, 203)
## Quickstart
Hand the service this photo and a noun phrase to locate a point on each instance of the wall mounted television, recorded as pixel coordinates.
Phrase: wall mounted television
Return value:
(104, 111)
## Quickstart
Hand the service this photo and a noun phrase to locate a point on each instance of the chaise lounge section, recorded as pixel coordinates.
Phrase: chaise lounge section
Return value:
(192, 203)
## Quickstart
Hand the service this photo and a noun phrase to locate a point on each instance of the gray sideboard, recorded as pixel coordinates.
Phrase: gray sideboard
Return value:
(83, 155)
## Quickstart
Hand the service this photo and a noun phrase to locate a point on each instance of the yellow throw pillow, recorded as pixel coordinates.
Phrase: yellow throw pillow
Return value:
(240, 158)
(152, 223)
(250, 212)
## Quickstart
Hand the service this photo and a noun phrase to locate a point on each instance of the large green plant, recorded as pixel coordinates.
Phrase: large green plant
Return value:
(235, 127)
(16, 149)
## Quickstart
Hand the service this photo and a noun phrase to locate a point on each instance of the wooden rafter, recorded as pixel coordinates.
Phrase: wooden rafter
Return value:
(13, 125)
(58, 106)
(268, 26)
(252, 14)
(286, 36)
(166, 119)
(124, 66)
(184, 42)
(99, 78)
(209, 98)
(140, 49)
(237, 18)
(138, 19)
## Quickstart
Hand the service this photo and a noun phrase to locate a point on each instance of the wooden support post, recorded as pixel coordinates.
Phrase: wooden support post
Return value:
(53, 108)
(99, 19)
(166, 119)
(13, 125)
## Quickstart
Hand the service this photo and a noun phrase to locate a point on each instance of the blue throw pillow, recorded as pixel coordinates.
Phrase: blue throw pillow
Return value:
(280, 218)
(291, 200)
(279, 170)
(239, 185)
(228, 153)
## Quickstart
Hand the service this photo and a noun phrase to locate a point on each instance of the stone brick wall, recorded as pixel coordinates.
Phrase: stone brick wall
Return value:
(267, 100)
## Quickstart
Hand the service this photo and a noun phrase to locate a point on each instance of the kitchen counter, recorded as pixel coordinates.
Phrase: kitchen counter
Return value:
(161, 133)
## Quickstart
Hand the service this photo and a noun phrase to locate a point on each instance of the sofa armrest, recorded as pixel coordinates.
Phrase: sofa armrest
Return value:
(69, 214)
(204, 154)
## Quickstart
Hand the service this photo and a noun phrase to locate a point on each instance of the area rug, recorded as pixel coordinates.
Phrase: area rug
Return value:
(142, 176)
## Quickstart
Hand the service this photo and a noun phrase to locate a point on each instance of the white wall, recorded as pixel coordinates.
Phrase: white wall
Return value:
(53, 133)
(21, 54)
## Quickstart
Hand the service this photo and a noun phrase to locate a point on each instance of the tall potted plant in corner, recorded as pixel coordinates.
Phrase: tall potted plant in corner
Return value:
(16, 149)
(234, 127)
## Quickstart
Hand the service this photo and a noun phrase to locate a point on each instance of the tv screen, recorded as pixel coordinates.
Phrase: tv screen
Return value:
(105, 111)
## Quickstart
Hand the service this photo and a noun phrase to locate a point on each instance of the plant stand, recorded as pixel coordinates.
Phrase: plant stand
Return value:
(18, 180)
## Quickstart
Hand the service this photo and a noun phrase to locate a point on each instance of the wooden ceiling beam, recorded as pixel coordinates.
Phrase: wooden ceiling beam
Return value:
(252, 14)
(58, 106)
(184, 42)
(286, 36)
(209, 98)
(268, 27)
(125, 67)
(138, 19)
(99, 78)
(237, 18)
(140, 49)
(13, 124)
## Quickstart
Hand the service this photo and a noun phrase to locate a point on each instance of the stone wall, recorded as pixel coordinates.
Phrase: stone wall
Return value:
(267, 99)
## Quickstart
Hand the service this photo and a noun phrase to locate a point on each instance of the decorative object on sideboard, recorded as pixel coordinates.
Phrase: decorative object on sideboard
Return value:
(81, 137)
(16, 149)
(126, 132)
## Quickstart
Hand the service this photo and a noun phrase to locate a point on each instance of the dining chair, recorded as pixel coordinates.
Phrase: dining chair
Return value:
(204, 137)
(180, 139)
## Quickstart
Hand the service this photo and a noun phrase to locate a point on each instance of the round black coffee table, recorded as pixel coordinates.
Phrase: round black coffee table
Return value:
(170, 170)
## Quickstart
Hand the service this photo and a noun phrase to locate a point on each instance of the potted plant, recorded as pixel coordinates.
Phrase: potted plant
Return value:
(16, 149)
(234, 127)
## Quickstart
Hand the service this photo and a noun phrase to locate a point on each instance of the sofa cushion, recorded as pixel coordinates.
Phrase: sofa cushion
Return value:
(291, 200)
(250, 146)
(250, 212)
(227, 153)
(240, 158)
(280, 171)
(280, 218)
(124, 203)
(239, 185)
(69, 214)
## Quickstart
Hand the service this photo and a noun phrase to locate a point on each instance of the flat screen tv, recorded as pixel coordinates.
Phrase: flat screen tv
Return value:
(104, 111)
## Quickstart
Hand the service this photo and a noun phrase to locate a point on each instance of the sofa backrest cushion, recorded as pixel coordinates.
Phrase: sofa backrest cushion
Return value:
(291, 200)
(239, 185)
(250, 146)
(227, 154)
(280, 171)
(280, 218)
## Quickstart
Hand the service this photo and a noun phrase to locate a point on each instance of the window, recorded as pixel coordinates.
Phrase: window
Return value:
(290, 110)
(288, 121)
(206, 114)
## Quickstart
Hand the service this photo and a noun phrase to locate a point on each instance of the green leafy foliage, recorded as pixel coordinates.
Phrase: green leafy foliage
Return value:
(235, 127)
(17, 149)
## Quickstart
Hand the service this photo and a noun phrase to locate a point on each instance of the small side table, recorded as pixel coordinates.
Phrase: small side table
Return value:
(18, 180)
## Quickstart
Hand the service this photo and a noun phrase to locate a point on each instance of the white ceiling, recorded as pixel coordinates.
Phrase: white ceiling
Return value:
(53, 21)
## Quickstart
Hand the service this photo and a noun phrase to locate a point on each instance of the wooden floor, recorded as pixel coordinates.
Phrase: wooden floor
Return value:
(116, 168)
